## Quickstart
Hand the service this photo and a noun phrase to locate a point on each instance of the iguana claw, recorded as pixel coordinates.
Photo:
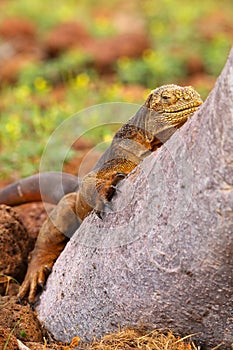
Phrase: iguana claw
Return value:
(36, 277)
(99, 214)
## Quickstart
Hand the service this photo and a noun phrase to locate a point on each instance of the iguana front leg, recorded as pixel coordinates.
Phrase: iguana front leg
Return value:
(98, 187)
(51, 240)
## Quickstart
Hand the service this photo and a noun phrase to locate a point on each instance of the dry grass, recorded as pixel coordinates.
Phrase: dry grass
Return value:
(134, 339)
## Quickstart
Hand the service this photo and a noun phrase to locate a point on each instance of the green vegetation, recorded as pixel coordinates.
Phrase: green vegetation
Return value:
(151, 65)
(23, 333)
(189, 40)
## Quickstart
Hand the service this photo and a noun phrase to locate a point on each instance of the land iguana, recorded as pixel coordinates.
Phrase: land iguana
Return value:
(166, 109)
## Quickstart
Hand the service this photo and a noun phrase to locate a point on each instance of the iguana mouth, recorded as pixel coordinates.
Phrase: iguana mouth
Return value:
(188, 108)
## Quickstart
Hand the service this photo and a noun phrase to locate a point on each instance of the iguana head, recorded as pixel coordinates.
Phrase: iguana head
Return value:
(174, 103)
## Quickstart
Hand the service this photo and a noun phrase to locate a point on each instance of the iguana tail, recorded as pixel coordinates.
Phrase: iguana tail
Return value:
(49, 187)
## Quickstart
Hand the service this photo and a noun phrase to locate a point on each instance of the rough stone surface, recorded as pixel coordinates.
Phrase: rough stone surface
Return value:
(164, 259)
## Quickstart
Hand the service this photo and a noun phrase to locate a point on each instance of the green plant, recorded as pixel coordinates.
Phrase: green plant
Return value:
(23, 333)
(153, 69)
(212, 53)
(40, 75)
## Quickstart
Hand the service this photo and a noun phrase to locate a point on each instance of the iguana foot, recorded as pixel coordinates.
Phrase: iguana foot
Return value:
(35, 279)
(98, 188)
(106, 193)
(44, 255)
(105, 190)
(113, 187)
(51, 240)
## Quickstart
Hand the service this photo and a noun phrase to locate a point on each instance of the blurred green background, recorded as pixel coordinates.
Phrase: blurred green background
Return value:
(59, 57)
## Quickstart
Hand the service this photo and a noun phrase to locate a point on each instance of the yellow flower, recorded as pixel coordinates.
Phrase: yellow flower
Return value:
(22, 92)
(41, 84)
(149, 55)
(82, 80)
(13, 127)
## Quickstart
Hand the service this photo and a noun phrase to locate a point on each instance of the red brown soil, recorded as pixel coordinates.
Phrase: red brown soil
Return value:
(11, 68)
(105, 52)
(12, 28)
(66, 36)
(15, 319)
(14, 244)
(215, 23)
(22, 318)
(4, 338)
(21, 45)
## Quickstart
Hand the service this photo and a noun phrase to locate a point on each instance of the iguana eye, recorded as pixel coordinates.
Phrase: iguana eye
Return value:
(165, 97)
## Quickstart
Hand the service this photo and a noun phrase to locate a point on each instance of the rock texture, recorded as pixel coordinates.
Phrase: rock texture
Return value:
(164, 257)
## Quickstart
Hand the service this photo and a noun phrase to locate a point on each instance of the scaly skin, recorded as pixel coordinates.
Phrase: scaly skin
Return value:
(166, 109)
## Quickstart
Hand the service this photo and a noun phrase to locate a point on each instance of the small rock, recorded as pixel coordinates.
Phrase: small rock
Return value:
(13, 244)
(22, 319)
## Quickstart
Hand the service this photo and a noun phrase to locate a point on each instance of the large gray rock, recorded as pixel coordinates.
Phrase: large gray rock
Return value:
(165, 258)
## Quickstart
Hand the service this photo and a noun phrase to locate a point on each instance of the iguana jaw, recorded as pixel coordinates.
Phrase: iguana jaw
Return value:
(180, 116)
(186, 109)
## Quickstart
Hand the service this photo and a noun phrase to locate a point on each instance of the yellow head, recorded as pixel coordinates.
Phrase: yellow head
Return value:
(175, 103)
